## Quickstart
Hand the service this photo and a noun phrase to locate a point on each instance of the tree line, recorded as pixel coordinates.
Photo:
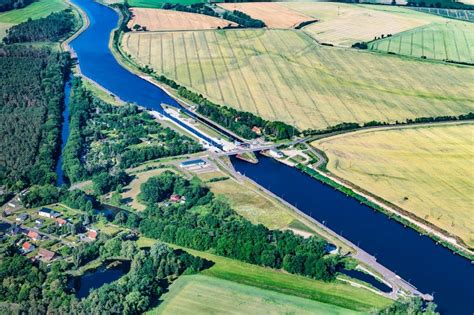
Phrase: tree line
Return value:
(7, 5)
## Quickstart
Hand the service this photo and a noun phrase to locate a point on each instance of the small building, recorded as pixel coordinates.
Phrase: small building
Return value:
(22, 217)
(27, 247)
(61, 221)
(16, 230)
(34, 236)
(175, 198)
(257, 130)
(48, 213)
(46, 255)
(275, 153)
(39, 222)
(193, 163)
(92, 234)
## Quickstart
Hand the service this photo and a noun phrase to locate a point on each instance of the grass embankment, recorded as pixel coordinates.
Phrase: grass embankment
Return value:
(158, 3)
(424, 170)
(34, 11)
(453, 41)
(284, 75)
(198, 294)
(335, 293)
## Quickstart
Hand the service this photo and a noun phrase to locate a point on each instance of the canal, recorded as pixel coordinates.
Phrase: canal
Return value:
(431, 268)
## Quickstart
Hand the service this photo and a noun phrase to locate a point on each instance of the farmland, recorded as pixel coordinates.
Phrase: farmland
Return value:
(158, 3)
(424, 170)
(344, 24)
(198, 294)
(168, 20)
(466, 15)
(284, 75)
(274, 15)
(34, 11)
(453, 41)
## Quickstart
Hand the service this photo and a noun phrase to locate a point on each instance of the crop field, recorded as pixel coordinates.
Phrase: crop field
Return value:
(344, 24)
(425, 170)
(35, 10)
(284, 75)
(198, 294)
(465, 15)
(158, 3)
(167, 20)
(274, 15)
(450, 41)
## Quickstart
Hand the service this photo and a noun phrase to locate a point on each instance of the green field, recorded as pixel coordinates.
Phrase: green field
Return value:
(334, 293)
(35, 10)
(284, 75)
(200, 294)
(158, 3)
(427, 171)
(453, 41)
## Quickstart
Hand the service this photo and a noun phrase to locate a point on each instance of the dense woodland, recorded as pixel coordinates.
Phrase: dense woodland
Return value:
(52, 28)
(6, 5)
(104, 139)
(205, 222)
(243, 19)
(31, 102)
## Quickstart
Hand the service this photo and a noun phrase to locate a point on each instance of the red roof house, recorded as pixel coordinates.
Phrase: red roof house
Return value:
(92, 234)
(257, 130)
(175, 198)
(60, 221)
(46, 255)
(33, 235)
(27, 247)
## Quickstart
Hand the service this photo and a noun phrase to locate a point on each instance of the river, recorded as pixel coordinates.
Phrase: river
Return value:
(64, 133)
(431, 268)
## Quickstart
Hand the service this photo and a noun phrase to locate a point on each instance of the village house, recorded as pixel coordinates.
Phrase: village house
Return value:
(22, 217)
(257, 130)
(27, 247)
(60, 221)
(48, 213)
(34, 236)
(39, 222)
(46, 255)
(92, 235)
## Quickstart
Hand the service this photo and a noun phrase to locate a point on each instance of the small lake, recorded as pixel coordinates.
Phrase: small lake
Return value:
(97, 278)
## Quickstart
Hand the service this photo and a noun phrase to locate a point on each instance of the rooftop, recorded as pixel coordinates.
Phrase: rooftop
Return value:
(193, 162)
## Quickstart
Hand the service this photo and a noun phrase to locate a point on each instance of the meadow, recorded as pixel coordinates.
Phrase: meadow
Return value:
(34, 11)
(334, 293)
(425, 170)
(198, 294)
(158, 3)
(284, 75)
(453, 40)
(465, 15)
(344, 24)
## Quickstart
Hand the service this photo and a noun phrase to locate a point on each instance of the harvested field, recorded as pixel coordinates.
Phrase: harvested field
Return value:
(344, 24)
(273, 14)
(199, 294)
(284, 75)
(34, 11)
(425, 170)
(168, 20)
(448, 41)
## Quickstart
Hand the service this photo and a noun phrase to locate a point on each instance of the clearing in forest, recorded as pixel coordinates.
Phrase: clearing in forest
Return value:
(284, 75)
(426, 170)
(36, 10)
(168, 20)
(198, 294)
(274, 15)
(344, 24)
(453, 40)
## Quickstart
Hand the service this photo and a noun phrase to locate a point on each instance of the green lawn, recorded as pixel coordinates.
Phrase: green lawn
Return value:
(35, 10)
(334, 293)
(158, 3)
(199, 294)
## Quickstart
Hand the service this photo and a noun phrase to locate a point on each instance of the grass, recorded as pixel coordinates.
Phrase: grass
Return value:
(199, 294)
(453, 41)
(158, 3)
(424, 170)
(284, 75)
(465, 15)
(335, 293)
(35, 11)
(101, 93)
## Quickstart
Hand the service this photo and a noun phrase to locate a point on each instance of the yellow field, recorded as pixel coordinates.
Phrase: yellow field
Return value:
(344, 24)
(284, 75)
(168, 20)
(428, 171)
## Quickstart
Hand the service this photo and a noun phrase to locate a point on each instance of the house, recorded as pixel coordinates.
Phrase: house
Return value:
(27, 247)
(39, 222)
(193, 163)
(257, 130)
(16, 230)
(60, 221)
(92, 234)
(33, 235)
(46, 255)
(22, 217)
(275, 153)
(175, 198)
(48, 213)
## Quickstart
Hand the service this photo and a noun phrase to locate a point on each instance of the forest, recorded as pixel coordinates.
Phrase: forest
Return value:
(54, 27)
(7, 5)
(203, 222)
(30, 113)
(104, 138)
